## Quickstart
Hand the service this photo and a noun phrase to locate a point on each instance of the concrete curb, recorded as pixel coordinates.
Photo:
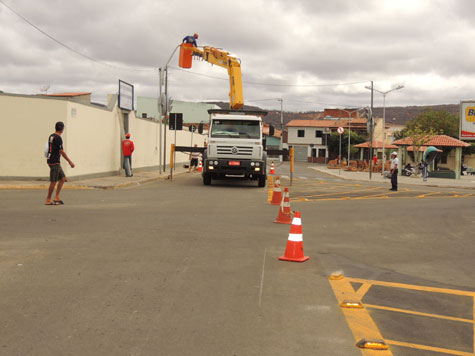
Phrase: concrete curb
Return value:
(432, 185)
(87, 186)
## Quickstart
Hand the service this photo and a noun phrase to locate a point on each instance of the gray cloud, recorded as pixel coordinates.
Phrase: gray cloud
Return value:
(426, 45)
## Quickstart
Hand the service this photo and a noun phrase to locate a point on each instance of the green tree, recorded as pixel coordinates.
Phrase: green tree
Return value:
(418, 137)
(441, 122)
(334, 143)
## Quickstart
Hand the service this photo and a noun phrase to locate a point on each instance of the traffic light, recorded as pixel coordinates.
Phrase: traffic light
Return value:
(200, 128)
(178, 118)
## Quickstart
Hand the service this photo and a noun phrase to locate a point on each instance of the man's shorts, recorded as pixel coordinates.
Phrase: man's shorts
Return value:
(194, 162)
(55, 173)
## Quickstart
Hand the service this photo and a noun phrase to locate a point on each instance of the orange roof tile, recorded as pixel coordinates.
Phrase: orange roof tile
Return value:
(311, 123)
(436, 140)
(326, 123)
(68, 94)
(376, 144)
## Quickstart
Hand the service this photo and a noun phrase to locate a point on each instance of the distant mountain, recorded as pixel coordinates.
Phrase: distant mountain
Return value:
(394, 114)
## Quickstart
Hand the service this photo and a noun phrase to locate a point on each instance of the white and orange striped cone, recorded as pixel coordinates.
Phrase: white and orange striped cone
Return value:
(294, 249)
(272, 170)
(200, 167)
(285, 214)
(277, 194)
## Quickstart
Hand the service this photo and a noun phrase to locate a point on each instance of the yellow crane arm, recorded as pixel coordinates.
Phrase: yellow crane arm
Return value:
(224, 59)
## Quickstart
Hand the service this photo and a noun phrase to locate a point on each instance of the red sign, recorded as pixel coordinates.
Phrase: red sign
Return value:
(340, 130)
(234, 163)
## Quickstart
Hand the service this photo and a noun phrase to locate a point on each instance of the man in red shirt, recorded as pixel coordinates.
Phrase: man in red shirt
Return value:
(127, 149)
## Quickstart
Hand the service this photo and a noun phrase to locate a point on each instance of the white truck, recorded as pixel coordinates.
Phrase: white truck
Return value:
(235, 146)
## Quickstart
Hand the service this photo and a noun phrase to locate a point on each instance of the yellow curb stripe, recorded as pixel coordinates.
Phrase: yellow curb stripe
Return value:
(413, 287)
(405, 311)
(429, 348)
(361, 324)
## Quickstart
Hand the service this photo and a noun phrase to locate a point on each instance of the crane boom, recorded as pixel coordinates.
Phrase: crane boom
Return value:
(220, 58)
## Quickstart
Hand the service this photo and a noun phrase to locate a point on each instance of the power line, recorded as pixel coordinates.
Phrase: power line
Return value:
(270, 84)
(70, 48)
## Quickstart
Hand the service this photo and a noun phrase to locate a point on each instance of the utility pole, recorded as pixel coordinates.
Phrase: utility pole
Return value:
(371, 129)
(281, 127)
(160, 114)
(165, 126)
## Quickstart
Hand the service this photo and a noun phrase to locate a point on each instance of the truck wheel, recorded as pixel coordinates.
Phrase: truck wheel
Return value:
(206, 179)
(262, 181)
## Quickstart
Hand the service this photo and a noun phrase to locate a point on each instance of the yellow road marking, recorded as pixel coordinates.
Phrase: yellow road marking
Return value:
(405, 311)
(363, 290)
(429, 348)
(361, 324)
(413, 287)
(346, 192)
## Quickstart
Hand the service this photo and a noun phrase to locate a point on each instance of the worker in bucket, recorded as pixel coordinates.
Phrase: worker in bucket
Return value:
(191, 39)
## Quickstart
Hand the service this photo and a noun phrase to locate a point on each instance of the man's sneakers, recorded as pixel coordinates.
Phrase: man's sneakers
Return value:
(394, 190)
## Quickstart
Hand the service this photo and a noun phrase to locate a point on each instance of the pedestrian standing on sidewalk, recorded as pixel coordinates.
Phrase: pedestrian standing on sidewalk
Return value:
(194, 158)
(394, 171)
(56, 174)
(127, 149)
(375, 160)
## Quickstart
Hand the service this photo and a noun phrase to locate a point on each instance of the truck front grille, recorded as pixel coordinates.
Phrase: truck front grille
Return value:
(228, 150)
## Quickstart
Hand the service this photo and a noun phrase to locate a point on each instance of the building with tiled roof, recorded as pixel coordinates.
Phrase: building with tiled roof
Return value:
(445, 161)
(436, 140)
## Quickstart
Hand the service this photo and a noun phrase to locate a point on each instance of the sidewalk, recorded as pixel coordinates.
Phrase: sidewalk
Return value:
(465, 182)
(109, 182)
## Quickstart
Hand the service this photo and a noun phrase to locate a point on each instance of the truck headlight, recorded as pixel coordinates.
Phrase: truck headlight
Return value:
(215, 163)
(257, 169)
(257, 164)
(252, 164)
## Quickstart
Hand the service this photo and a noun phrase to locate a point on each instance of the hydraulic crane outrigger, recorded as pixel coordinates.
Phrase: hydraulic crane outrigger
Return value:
(221, 58)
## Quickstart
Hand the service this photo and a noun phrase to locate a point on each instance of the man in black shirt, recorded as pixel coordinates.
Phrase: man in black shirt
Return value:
(55, 151)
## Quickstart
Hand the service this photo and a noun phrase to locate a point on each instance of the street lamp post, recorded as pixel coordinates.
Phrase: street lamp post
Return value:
(281, 127)
(384, 93)
(349, 112)
(164, 103)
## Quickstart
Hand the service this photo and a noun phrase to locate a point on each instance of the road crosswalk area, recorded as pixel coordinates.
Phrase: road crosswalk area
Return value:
(304, 189)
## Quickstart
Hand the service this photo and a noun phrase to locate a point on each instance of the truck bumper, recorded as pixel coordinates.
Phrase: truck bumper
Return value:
(251, 169)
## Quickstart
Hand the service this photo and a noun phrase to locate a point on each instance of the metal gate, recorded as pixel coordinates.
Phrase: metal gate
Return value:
(300, 153)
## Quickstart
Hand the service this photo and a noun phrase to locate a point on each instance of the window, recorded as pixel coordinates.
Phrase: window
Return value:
(318, 133)
(300, 133)
(321, 152)
(443, 159)
(235, 129)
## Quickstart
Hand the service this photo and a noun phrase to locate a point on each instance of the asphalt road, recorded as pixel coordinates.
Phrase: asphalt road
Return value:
(178, 268)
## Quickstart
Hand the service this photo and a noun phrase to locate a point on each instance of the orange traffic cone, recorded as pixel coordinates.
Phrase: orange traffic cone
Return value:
(272, 171)
(294, 249)
(200, 167)
(285, 214)
(270, 186)
(277, 194)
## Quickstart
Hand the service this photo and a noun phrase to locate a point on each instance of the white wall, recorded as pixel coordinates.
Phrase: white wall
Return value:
(309, 137)
(92, 137)
(26, 124)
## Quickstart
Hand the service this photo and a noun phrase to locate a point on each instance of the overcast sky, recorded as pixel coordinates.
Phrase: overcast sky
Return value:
(293, 50)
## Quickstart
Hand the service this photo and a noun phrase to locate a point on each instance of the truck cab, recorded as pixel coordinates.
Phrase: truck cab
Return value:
(235, 147)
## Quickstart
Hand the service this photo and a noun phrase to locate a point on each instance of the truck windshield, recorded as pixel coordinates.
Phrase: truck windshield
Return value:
(236, 129)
